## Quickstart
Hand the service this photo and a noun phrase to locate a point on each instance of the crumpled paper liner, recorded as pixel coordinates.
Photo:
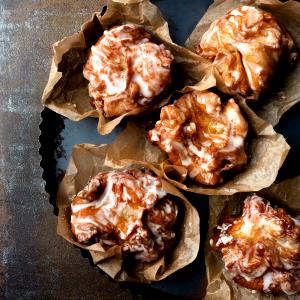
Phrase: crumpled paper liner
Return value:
(278, 100)
(267, 151)
(88, 160)
(66, 91)
(220, 286)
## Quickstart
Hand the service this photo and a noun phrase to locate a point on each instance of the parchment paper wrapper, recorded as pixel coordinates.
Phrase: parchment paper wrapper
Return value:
(267, 151)
(88, 160)
(220, 286)
(66, 91)
(278, 100)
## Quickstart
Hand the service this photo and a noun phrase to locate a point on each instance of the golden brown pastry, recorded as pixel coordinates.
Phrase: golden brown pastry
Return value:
(246, 46)
(126, 70)
(261, 248)
(201, 134)
(128, 208)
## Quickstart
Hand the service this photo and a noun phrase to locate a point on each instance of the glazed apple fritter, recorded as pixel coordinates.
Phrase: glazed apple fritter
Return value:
(201, 134)
(246, 46)
(126, 70)
(128, 208)
(261, 248)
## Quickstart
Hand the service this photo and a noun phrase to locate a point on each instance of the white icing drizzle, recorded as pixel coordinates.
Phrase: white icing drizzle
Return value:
(200, 153)
(125, 194)
(236, 75)
(267, 278)
(106, 198)
(224, 239)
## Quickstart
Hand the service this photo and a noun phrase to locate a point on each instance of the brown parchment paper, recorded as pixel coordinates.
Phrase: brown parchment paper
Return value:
(267, 151)
(66, 91)
(88, 160)
(220, 286)
(278, 100)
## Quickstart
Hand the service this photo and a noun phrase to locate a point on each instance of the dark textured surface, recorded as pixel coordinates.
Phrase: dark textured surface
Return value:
(35, 263)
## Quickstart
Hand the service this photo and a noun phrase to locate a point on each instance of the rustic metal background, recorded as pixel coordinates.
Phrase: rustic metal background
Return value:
(35, 263)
